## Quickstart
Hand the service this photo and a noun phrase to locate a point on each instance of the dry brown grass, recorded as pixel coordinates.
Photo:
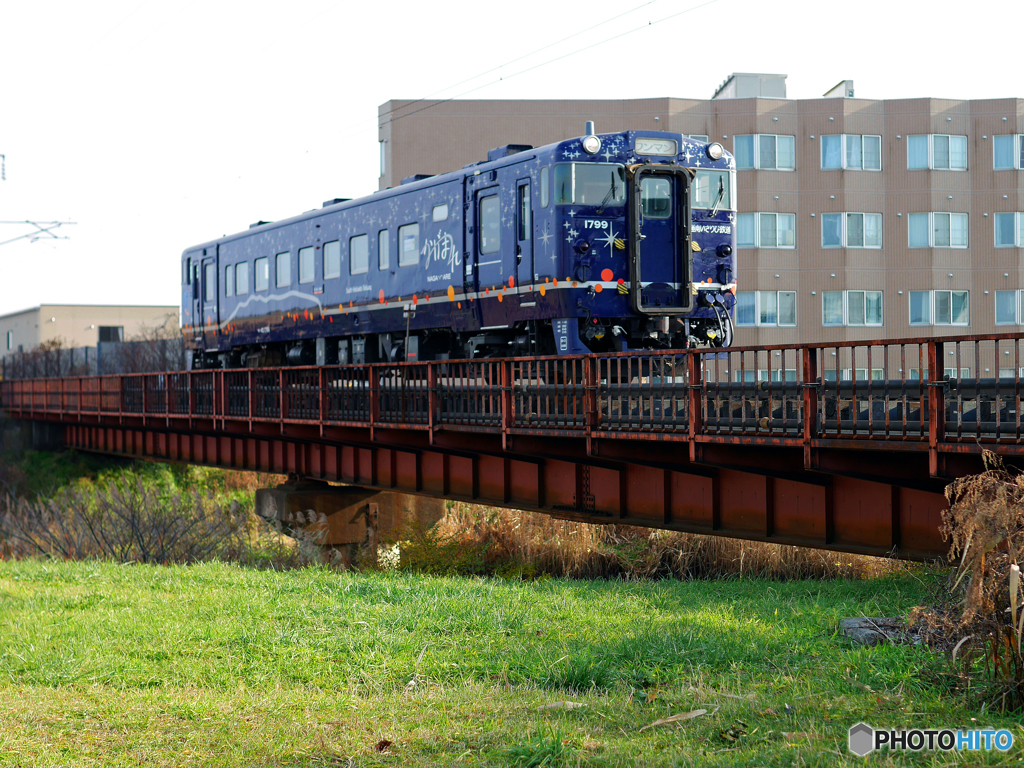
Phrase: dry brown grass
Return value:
(513, 542)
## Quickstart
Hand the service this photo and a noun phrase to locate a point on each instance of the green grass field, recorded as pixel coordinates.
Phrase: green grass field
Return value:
(105, 664)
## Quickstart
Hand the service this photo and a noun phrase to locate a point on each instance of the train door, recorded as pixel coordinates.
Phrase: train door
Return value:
(524, 242)
(208, 311)
(490, 271)
(662, 265)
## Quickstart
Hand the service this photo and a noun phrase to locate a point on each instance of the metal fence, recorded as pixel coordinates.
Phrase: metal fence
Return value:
(849, 391)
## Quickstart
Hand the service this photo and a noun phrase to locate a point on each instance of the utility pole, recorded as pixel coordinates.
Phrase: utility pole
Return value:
(43, 229)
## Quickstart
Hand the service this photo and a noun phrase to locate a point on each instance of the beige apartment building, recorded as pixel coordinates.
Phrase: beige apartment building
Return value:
(857, 218)
(79, 325)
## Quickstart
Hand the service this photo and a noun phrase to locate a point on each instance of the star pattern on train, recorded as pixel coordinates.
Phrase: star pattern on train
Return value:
(609, 240)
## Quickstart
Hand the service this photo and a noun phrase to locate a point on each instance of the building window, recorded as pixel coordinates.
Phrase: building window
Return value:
(332, 259)
(439, 212)
(111, 333)
(766, 308)
(359, 254)
(764, 374)
(242, 278)
(307, 272)
(1006, 152)
(940, 307)
(851, 230)
(262, 273)
(1009, 230)
(851, 152)
(950, 373)
(765, 151)
(284, 269)
(851, 308)
(382, 164)
(937, 151)
(860, 374)
(937, 230)
(229, 281)
(383, 251)
(409, 244)
(766, 230)
(1007, 308)
(10, 340)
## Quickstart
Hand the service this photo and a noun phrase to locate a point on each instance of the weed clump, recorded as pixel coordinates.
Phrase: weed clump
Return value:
(978, 617)
(509, 543)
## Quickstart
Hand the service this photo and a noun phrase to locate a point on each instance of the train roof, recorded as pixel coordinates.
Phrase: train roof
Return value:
(424, 183)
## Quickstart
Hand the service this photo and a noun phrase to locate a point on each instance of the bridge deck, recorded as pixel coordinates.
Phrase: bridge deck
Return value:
(845, 446)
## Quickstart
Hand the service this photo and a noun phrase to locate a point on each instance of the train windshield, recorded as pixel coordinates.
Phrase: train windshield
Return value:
(713, 189)
(601, 184)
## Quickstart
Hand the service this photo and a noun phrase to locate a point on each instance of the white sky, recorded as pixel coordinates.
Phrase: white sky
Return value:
(158, 124)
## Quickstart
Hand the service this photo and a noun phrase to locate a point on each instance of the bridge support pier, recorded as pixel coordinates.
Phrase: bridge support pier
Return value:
(347, 517)
(21, 435)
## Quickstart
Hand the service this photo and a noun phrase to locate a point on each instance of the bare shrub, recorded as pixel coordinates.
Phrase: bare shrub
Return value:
(477, 539)
(123, 521)
(978, 617)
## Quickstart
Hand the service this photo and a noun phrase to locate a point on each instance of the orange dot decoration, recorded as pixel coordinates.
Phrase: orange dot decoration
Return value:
(598, 288)
(607, 275)
(460, 305)
(415, 300)
(543, 290)
(511, 281)
(554, 281)
(573, 283)
(381, 294)
(451, 293)
(500, 298)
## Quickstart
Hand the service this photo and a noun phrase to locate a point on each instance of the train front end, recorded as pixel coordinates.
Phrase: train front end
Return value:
(649, 223)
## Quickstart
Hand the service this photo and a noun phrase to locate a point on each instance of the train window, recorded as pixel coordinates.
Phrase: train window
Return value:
(383, 251)
(229, 281)
(713, 189)
(656, 197)
(306, 271)
(600, 184)
(284, 269)
(210, 283)
(545, 190)
(524, 211)
(409, 245)
(263, 273)
(332, 259)
(439, 213)
(359, 254)
(490, 224)
(186, 271)
(242, 278)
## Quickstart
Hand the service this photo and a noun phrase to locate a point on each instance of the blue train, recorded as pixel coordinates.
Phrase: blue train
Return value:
(599, 243)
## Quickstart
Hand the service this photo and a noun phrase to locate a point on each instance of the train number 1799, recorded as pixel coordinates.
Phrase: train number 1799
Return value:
(591, 224)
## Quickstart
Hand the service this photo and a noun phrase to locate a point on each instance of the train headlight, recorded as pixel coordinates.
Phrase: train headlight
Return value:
(715, 151)
(591, 145)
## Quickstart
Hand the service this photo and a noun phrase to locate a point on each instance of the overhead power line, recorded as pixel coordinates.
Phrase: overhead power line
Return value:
(44, 230)
(550, 61)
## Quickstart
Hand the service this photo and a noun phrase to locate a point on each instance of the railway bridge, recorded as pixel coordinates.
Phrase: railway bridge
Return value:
(844, 446)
